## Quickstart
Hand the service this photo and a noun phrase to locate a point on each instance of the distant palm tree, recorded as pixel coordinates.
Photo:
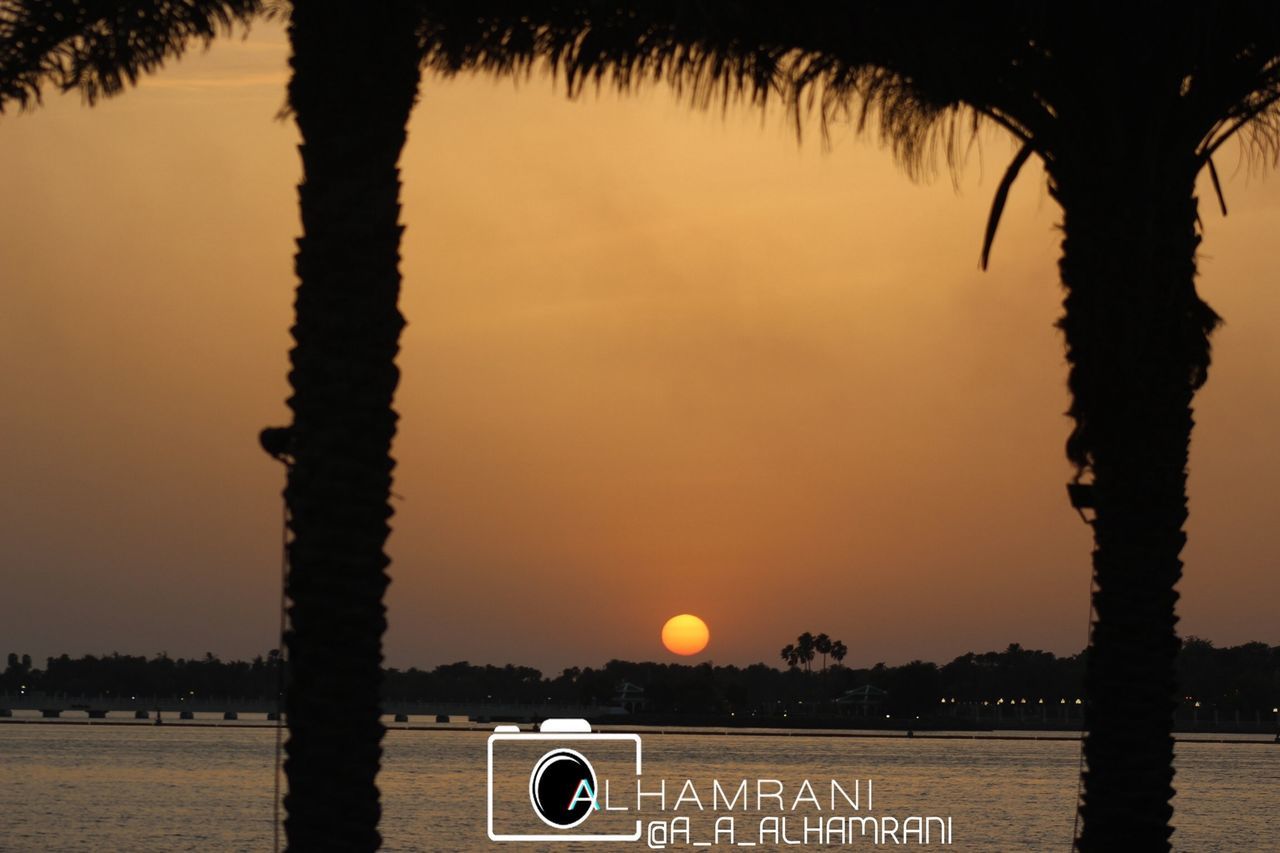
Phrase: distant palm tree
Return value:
(790, 655)
(1125, 105)
(838, 651)
(822, 645)
(805, 649)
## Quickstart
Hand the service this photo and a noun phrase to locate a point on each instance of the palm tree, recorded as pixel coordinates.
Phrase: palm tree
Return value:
(822, 645)
(838, 651)
(364, 57)
(355, 78)
(99, 49)
(805, 649)
(1125, 106)
(789, 655)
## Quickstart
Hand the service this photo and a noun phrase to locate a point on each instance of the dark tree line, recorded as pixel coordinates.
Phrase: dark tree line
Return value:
(1243, 678)
(135, 675)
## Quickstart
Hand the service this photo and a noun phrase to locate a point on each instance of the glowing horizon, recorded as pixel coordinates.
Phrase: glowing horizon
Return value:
(657, 361)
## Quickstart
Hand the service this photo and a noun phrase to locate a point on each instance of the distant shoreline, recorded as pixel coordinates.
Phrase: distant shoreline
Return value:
(997, 734)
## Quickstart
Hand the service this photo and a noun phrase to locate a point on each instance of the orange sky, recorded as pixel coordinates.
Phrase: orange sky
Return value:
(657, 361)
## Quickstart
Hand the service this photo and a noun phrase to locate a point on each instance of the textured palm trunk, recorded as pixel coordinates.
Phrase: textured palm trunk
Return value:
(355, 77)
(1137, 341)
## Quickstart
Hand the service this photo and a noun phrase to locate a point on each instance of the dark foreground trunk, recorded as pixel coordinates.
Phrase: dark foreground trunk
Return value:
(1137, 340)
(354, 81)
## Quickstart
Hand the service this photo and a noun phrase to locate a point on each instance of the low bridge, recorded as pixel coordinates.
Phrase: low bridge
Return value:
(230, 707)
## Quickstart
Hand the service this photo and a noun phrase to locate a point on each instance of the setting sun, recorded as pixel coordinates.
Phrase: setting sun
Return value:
(685, 634)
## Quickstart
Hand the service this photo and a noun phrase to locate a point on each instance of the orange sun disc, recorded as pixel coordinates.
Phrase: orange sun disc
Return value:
(685, 634)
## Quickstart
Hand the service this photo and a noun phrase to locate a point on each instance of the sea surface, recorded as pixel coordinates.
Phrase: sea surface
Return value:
(210, 788)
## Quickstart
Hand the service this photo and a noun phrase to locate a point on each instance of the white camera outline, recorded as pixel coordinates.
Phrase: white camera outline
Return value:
(503, 734)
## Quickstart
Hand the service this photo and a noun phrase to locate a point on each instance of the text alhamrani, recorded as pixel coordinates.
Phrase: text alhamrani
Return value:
(824, 825)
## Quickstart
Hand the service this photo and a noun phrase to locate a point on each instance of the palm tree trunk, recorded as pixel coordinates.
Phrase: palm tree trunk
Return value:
(355, 78)
(1137, 341)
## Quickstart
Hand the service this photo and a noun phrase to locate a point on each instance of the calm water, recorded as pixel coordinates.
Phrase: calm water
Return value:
(146, 788)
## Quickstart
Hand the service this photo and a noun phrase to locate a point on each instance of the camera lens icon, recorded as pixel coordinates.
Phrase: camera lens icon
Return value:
(562, 788)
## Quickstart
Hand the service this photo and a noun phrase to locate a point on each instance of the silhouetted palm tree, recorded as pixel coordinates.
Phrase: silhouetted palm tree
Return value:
(822, 645)
(838, 651)
(364, 57)
(790, 655)
(355, 78)
(100, 48)
(1125, 106)
(805, 649)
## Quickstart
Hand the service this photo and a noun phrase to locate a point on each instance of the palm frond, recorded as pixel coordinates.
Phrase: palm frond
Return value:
(1001, 198)
(903, 68)
(100, 47)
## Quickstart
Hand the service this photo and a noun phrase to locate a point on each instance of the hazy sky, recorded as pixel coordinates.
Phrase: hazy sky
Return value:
(657, 361)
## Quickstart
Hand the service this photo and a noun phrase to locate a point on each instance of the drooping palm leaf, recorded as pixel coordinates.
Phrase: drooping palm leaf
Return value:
(100, 47)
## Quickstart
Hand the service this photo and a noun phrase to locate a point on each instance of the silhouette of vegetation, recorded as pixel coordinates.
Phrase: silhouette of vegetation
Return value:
(807, 646)
(805, 650)
(135, 675)
(355, 78)
(1243, 679)
(822, 645)
(101, 48)
(838, 651)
